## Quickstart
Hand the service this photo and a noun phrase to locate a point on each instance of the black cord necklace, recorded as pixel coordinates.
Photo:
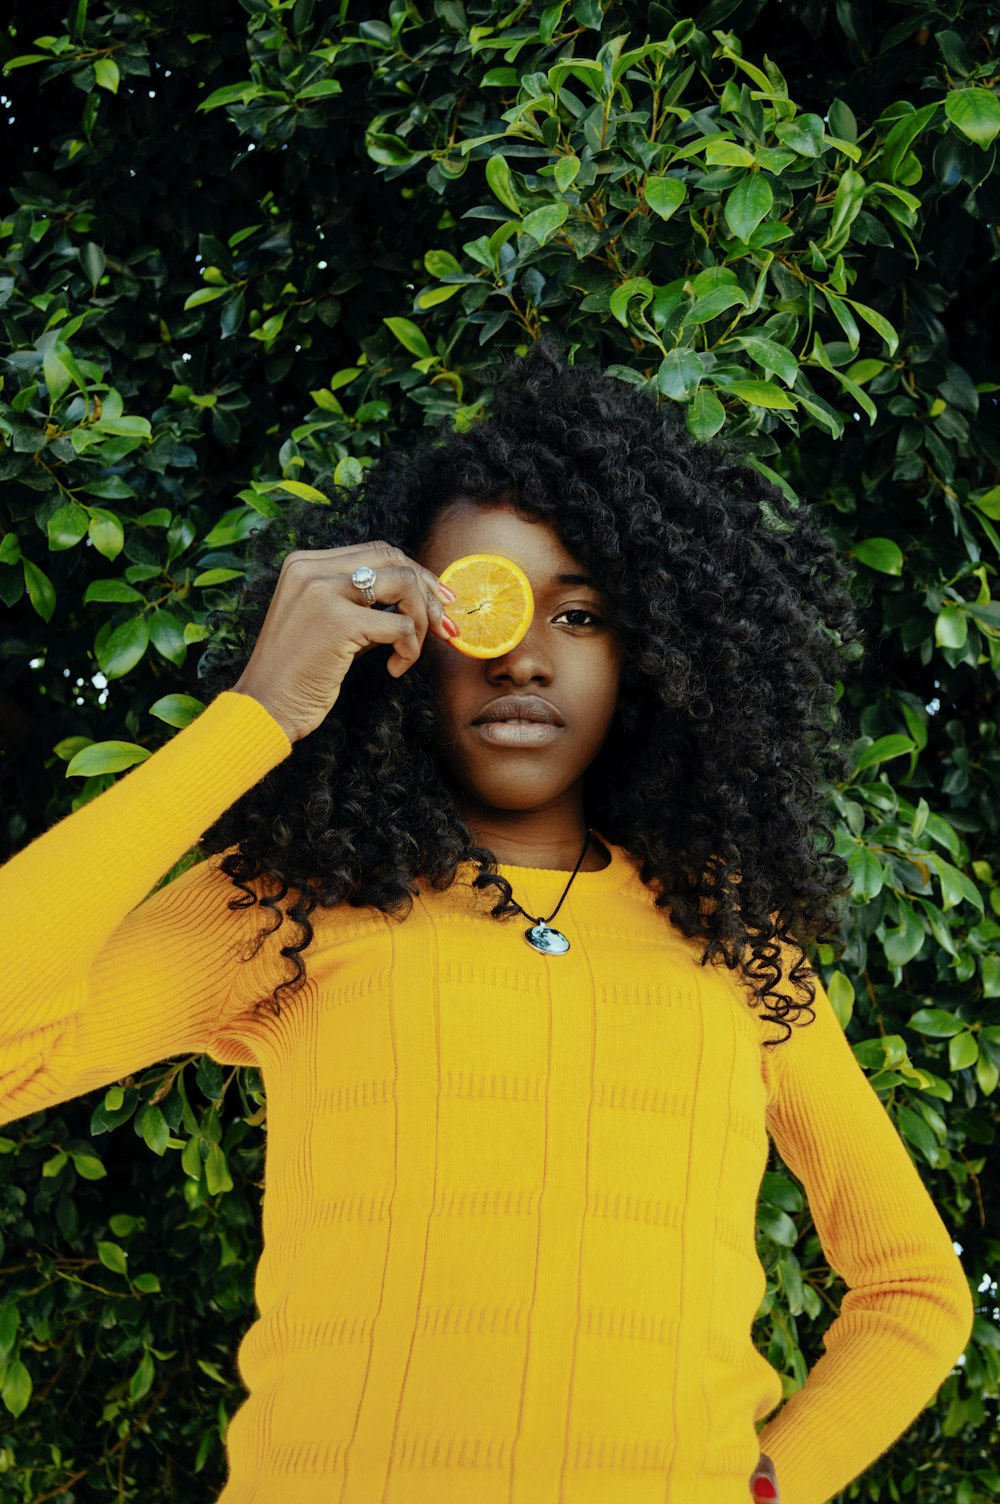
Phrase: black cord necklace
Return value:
(540, 936)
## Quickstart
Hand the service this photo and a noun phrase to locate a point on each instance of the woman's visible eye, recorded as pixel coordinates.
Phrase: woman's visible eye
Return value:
(581, 611)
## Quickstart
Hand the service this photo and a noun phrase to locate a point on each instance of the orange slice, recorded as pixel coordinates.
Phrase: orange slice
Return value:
(494, 606)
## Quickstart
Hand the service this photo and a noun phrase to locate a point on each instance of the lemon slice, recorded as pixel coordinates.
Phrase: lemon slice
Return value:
(494, 604)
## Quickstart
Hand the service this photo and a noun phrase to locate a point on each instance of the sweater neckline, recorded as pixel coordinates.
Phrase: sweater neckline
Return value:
(619, 869)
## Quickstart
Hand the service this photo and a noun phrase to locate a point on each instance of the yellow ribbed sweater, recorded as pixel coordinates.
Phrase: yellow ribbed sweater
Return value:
(508, 1227)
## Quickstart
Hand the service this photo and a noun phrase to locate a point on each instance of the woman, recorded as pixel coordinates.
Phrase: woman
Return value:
(509, 1226)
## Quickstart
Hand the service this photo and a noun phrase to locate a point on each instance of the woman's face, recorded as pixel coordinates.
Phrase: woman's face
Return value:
(570, 656)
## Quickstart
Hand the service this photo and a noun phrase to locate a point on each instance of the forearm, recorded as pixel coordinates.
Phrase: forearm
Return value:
(887, 1353)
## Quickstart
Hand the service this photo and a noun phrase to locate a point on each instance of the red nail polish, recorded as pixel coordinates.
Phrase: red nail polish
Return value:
(447, 592)
(450, 626)
(764, 1489)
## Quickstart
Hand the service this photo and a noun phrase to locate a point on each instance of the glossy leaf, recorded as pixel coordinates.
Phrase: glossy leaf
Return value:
(750, 201)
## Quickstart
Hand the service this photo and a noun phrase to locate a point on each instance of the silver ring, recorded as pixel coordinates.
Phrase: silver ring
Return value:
(364, 578)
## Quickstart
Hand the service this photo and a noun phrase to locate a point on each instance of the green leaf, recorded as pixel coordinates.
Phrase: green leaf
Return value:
(987, 501)
(956, 888)
(106, 533)
(322, 89)
(410, 335)
(191, 1160)
(57, 377)
(761, 394)
(664, 195)
(543, 223)
(913, 1128)
(715, 302)
(847, 203)
(432, 296)
(724, 153)
(975, 112)
(348, 472)
(867, 873)
(963, 1051)
(241, 93)
(300, 489)
(777, 1225)
(106, 74)
(565, 173)
(151, 1123)
(878, 323)
(951, 628)
(501, 180)
(110, 590)
(770, 356)
(67, 526)
(884, 749)
(622, 296)
(389, 150)
(750, 201)
(147, 1284)
(41, 591)
(900, 138)
(16, 1391)
(92, 261)
(937, 1023)
(177, 710)
(112, 1257)
(705, 415)
(777, 1190)
(142, 1380)
(217, 1176)
(124, 648)
(105, 757)
(840, 991)
(442, 264)
(880, 553)
(903, 943)
(205, 295)
(842, 121)
(218, 576)
(88, 1166)
(123, 427)
(804, 134)
(10, 1318)
(679, 373)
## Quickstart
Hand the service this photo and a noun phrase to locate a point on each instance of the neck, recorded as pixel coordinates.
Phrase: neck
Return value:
(533, 838)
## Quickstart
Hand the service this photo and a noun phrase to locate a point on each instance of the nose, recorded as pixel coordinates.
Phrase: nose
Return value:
(526, 663)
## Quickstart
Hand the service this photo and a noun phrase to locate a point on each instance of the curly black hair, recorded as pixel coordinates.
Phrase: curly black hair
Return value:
(737, 617)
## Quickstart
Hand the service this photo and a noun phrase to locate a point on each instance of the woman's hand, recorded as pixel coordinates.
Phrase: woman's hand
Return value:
(764, 1482)
(318, 623)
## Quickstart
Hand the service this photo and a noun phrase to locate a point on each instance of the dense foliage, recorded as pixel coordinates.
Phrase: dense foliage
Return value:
(241, 252)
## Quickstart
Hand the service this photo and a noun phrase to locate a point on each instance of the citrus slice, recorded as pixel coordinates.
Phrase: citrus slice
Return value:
(494, 604)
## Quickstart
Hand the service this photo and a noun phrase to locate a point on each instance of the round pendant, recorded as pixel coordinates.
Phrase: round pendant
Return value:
(549, 941)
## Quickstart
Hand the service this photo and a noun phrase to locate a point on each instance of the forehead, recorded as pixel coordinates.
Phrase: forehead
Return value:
(465, 526)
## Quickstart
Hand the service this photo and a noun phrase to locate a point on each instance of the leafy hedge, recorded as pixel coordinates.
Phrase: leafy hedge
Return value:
(240, 254)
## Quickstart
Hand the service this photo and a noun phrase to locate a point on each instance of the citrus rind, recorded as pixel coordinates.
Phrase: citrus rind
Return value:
(493, 584)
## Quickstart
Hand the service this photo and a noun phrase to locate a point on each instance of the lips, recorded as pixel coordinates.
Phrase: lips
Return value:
(518, 708)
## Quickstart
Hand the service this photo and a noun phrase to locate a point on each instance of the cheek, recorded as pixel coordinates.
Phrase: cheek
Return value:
(446, 671)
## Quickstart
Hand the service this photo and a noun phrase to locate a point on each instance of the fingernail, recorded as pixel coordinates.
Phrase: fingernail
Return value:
(446, 592)
(764, 1488)
(450, 626)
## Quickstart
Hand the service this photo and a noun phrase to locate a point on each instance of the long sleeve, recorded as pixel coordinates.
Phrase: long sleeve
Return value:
(98, 983)
(908, 1311)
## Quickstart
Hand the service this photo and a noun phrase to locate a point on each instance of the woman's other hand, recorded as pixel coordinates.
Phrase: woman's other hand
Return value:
(764, 1482)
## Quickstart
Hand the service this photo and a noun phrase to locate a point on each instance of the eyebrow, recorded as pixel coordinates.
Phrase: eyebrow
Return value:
(575, 579)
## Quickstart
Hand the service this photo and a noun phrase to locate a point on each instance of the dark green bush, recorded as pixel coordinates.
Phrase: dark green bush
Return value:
(238, 255)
